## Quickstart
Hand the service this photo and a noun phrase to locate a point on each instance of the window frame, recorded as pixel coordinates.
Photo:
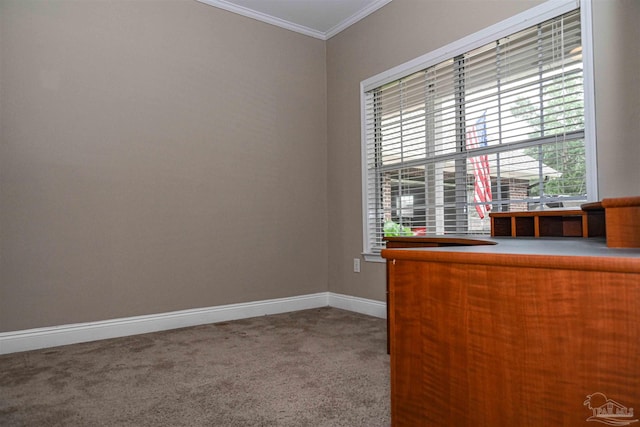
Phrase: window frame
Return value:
(546, 11)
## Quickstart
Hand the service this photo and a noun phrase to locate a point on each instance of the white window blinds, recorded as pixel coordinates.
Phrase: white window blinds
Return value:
(498, 128)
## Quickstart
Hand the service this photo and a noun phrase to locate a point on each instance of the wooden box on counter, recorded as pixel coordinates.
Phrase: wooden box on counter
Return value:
(549, 223)
(617, 218)
(623, 222)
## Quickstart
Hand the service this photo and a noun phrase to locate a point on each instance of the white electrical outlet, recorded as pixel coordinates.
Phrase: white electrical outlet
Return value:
(356, 265)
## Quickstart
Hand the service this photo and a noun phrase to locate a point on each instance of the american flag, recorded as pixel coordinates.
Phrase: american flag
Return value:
(477, 138)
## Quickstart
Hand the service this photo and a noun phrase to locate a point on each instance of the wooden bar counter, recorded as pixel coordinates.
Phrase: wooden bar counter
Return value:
(520, 332)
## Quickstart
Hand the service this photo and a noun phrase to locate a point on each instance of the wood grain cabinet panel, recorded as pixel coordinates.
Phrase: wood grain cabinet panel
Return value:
(481, 339)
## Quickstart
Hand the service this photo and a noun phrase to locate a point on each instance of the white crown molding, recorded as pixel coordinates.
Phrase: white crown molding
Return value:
(33, 339)
(355, 18)
(250, 13)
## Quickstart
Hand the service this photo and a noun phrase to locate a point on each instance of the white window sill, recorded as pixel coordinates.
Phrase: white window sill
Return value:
(373, 258)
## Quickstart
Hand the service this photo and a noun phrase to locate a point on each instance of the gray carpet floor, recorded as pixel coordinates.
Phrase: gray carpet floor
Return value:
(323, 368)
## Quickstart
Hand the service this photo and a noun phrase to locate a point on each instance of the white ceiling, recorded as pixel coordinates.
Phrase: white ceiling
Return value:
(316, 18)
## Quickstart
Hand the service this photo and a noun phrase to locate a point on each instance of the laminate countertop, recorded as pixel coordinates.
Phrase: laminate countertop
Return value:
(562, 252)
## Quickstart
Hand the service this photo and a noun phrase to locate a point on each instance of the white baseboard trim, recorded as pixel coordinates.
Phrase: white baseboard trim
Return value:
(358, 305)
(33, 339)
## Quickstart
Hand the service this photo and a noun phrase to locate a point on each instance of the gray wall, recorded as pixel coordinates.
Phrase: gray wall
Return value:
(156, 156)
(617, 82)
(406, 29)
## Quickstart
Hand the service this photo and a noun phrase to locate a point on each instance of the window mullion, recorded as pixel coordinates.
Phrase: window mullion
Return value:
(500, 62)
(378, 223)
(460, 163)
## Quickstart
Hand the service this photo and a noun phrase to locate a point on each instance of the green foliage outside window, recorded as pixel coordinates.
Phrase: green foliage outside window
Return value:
(563, 109)
(393, 229)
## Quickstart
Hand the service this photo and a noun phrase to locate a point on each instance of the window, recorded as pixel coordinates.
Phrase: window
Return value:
(497, 126)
